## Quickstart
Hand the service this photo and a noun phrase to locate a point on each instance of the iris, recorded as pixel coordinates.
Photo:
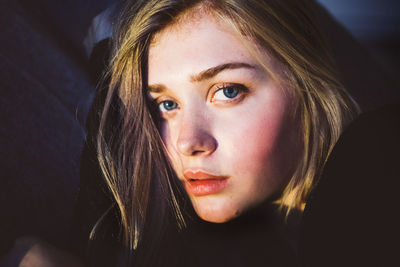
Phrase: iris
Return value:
(169, 105)
(230, 92)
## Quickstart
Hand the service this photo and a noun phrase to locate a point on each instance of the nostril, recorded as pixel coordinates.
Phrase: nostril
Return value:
(197, 152)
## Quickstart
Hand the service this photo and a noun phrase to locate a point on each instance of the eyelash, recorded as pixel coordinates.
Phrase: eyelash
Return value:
(240, 89)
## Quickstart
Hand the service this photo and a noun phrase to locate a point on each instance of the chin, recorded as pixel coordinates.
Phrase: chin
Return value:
(215, 219)
(215, 212)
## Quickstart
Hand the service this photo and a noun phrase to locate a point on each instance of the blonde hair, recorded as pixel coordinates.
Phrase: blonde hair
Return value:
(133, 156)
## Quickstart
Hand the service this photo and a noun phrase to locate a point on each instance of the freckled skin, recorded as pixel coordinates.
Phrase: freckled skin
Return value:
(249, 139)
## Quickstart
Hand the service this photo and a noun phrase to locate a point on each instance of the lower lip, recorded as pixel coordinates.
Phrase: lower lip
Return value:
(206, 186)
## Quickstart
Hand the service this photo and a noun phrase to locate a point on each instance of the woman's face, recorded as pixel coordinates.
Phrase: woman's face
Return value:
(226, 124)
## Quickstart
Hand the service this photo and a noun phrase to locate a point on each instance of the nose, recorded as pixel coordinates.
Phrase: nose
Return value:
(195, 138)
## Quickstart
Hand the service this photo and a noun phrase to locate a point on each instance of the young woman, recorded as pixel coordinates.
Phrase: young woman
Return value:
(228, 105)
(214, 129)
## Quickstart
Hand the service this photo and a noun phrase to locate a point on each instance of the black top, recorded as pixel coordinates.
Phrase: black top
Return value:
(351, 217)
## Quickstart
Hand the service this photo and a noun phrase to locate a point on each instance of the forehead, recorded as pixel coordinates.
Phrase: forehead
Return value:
(204, 28)
(190, 46)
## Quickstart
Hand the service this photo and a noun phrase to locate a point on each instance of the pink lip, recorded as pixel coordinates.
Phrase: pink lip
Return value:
(200, 183)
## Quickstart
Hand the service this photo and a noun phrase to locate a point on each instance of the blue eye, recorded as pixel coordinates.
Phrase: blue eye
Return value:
(167, 105)
(230, 92)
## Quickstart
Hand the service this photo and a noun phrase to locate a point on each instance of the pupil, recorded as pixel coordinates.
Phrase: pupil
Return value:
(230, 92)
(169, 105)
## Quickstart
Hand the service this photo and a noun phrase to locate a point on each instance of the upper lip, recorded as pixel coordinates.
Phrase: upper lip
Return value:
(201, 175)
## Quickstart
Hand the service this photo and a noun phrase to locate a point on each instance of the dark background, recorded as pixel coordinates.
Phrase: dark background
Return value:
(46, 90)
(376, 24)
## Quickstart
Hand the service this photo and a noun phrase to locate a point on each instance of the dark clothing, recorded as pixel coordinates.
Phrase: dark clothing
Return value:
(351, 217)
(258, 238)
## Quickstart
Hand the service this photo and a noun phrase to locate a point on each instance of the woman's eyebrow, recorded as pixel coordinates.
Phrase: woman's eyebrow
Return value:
(156, 88)
(205, 74)
(211, 72)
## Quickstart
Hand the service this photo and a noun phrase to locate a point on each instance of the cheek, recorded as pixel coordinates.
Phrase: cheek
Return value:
(256, 145)
(254, 149)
